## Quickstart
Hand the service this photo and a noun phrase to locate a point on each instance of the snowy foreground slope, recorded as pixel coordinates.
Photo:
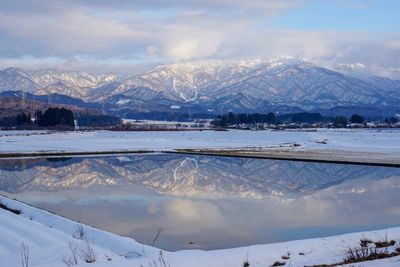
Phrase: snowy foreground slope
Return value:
(48, 237)
(359, 140)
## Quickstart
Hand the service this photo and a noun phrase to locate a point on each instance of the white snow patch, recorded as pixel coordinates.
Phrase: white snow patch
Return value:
(354, 140)
(48, 236)
(123, 101)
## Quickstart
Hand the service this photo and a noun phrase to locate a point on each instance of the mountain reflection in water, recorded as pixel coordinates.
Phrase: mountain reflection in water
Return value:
(207, 202)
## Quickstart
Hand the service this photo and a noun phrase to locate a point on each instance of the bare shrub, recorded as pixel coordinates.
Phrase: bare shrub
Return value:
(365, 242)
(278, 263)
(156, 237)
(73, 258)
(160, 263)
(87, 253)
(286, 257)
(386, 243)
(371, 250)
(367, 251)
(246, 262)
(24, 255)
(79, 232)
(354, 255)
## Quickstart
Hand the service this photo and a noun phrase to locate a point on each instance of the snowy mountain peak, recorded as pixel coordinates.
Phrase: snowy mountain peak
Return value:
(245, 85)
(45, 81)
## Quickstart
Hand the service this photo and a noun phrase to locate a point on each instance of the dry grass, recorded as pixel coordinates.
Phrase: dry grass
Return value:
(88, 255)
(367, 251)
(24, 255)
(160, 263)
(278, 263)
(4, 207)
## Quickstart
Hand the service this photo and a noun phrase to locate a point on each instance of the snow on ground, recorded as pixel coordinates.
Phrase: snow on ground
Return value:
(358, 140)
(48, 237)
(170, 123)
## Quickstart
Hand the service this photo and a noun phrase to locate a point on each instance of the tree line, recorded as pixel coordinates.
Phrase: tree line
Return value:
(243, 118)
(54, 117)
(50, 118)
(230, 118)
(87, 120)
(58, 117)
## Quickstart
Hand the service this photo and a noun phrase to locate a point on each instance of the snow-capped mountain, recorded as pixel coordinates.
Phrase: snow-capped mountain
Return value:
(391, 88)
(47, 81)
(213, 86)
(252, 85)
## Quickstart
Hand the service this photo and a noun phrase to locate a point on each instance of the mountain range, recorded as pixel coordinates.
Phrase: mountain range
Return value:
(283, 85)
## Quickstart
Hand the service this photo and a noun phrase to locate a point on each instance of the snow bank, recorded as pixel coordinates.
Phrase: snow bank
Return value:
(48, 237)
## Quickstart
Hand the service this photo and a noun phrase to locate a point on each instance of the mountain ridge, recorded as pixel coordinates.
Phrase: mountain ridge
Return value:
(213, 86)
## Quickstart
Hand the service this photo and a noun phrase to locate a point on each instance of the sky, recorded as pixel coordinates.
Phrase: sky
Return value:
(361, 37)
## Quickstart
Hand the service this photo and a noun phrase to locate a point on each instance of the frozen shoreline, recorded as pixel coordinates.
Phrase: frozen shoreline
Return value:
(362, 146)
(327, 156)
(48, 237)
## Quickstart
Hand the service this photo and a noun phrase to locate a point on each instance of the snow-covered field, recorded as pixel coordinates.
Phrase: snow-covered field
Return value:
(48, 238)
(358, 140)
(170, 123)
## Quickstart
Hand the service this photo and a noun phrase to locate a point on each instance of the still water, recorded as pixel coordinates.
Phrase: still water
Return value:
(207, 202)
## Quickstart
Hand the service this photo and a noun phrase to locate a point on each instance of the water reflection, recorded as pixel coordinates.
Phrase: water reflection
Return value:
(208, 202)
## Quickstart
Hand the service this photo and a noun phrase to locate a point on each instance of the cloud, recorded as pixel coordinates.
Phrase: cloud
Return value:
(394, 44)
(188, 42)
(176, 29)
(260, 7)
(350, 66)
(69, 34)
(122, 34)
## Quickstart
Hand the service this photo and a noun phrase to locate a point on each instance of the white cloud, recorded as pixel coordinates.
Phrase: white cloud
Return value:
(350, 66)
(188, 42)
(395, 44)
(113, 35)
(152, 52)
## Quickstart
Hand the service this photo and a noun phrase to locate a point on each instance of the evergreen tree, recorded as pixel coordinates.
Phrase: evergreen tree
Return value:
(355, 118)
(393, 120)
(23, 119)
(55, 116)
(231, 118)
(340, 122)
(98, 120)
(302, 117)
(38, 117)
(244, 118)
